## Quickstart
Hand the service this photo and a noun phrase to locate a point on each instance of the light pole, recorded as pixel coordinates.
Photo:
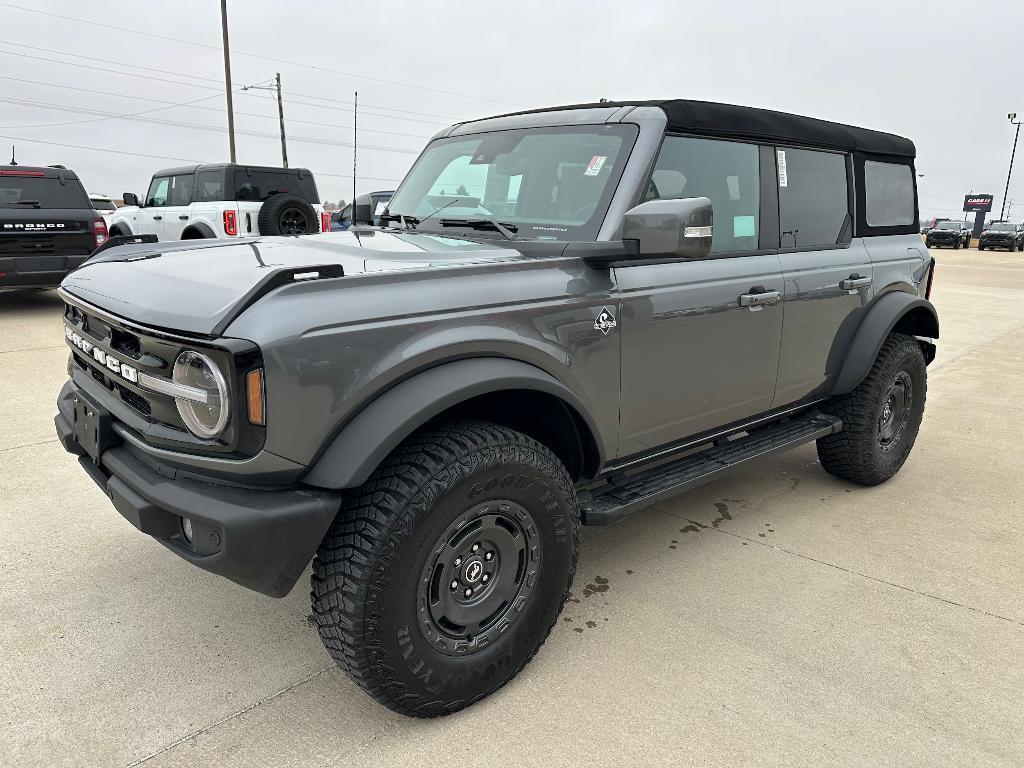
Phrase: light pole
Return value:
(227, 77)
(1013, 119)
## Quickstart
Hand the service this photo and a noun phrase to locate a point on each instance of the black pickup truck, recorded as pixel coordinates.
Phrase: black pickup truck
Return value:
(48, 227)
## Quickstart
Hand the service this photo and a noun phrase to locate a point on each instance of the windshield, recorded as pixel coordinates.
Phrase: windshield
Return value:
(1002, 228)
(552, 183)
(37, 192)
(948, 225)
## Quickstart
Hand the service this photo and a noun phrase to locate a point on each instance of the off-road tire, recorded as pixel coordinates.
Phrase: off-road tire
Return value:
(857, 452)
(287, 214)
(372, 562)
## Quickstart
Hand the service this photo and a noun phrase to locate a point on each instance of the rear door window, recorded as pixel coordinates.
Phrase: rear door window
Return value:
(158, 192)
(27, 192)
(725, 172)
(814, 202)
(888, 194)
(257, 186)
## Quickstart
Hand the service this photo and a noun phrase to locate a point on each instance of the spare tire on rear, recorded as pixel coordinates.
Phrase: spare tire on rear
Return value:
(287, 214)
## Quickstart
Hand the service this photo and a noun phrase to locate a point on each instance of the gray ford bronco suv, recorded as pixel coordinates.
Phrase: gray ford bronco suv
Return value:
(566, 315)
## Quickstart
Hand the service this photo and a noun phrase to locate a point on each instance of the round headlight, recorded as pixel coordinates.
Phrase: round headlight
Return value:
(204, 419)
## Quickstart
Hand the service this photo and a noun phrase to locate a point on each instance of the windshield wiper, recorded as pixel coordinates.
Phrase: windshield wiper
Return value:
(508, 230)
(407, 222)
(33, 203)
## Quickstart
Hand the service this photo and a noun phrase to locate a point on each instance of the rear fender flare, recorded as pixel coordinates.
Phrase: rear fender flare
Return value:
(204, 230)
(914, 315)
(362, 444)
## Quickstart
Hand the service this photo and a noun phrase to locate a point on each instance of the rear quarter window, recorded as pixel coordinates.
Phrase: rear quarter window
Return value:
(888, 194)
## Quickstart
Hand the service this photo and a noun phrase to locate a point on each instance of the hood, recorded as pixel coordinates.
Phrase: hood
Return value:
(199, 287)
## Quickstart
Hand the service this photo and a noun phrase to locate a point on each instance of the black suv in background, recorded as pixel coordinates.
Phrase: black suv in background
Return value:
(954, 234)
(1001, 234)
(48, 227)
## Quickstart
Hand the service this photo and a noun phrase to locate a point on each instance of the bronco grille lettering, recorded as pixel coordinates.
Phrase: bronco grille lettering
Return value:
(104, 358)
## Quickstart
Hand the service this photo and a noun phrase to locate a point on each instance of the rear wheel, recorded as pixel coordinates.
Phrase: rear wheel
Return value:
(881, 416)
(443, 575)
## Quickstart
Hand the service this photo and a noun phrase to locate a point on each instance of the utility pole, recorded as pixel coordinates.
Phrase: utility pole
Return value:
(355, 145)
(280, 116)
(275, 86)
(227, 77)
(1013, 119)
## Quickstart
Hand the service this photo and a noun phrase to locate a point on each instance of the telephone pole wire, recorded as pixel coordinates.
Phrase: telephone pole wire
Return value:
(280, 115)
(227, 77)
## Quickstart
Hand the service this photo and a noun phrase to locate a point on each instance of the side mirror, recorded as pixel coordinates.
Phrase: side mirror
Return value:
(130, 198)
(679, 229)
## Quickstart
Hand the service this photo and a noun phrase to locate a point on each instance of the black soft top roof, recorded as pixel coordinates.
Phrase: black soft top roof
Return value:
(732, 121)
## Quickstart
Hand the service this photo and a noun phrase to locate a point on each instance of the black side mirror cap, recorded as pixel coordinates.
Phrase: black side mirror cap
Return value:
(130, 198)
(671, 229)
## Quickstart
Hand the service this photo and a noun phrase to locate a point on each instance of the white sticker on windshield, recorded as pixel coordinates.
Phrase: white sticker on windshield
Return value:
(595, 165)
(783, 179)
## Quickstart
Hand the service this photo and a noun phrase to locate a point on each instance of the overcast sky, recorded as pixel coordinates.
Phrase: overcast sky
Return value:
(944, 74)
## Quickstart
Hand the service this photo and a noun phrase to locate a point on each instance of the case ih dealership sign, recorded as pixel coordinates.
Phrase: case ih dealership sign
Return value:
(978, 203)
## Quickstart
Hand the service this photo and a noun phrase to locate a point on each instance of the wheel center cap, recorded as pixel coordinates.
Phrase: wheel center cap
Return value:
(886, 412)
(473, 571)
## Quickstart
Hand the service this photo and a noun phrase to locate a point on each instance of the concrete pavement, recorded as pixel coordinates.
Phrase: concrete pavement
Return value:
(775, 617)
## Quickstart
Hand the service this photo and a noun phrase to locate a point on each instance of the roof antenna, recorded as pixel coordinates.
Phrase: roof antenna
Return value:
(13, 161)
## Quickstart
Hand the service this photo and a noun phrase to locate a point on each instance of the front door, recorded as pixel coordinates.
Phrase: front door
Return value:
(151, 217)
(700, 338)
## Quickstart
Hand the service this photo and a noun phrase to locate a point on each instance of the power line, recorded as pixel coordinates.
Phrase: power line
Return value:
(196, 126)
(98, 119)
(192, 105)
(157, 157)
(196, 85)
(108, 27)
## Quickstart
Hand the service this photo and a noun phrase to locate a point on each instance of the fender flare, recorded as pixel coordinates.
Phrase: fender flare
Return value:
(362, 444)
(123, 225)
(202, 228)
(887, 312)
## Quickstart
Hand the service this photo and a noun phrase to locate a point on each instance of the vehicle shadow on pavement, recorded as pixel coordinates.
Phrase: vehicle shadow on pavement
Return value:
(29, 301)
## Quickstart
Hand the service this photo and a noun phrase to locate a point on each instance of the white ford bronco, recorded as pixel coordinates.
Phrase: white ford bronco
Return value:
(223, 200)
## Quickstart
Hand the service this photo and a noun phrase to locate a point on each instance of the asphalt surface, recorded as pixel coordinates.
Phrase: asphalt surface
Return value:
(775, 617)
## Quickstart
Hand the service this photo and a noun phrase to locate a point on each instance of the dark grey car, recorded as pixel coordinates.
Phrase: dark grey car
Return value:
(567, 315)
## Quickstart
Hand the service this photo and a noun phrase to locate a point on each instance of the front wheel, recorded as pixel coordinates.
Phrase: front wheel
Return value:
(442, 576)
(881, 416)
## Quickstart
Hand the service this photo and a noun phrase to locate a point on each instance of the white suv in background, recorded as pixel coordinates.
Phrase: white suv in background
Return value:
(104, 206)
(223, 200)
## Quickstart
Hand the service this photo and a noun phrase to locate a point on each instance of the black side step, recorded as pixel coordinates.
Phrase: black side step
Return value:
(638, 491)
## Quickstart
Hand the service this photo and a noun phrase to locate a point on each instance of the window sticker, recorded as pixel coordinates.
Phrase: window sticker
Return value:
(381, 207)
(744, 226)
(783, 178)
(595, 165)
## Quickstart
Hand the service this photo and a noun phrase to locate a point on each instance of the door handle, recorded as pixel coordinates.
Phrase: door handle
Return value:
(759, 297)
(183, 218)
(158, 218)
(854, 282)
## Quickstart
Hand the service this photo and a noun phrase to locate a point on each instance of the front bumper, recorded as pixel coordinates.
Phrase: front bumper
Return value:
(997, 242)
(45, 271)
(259, 538)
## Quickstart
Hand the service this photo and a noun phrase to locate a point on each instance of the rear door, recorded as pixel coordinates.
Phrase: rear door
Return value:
(827, 273)
(177, 212)
(151, 217)
(700, 338)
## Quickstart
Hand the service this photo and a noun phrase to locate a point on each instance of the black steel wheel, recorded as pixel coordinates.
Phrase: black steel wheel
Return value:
(484, 571)
(895, 413)
(442, 576)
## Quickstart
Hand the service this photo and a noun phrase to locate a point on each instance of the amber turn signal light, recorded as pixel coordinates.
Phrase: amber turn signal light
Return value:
(254, 397)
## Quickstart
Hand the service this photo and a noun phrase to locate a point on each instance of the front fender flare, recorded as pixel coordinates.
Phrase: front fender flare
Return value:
(377, 429)
(881, 319)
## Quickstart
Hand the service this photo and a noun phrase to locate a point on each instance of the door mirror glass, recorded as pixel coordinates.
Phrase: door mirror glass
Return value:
(130, 198)
(668, 229)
